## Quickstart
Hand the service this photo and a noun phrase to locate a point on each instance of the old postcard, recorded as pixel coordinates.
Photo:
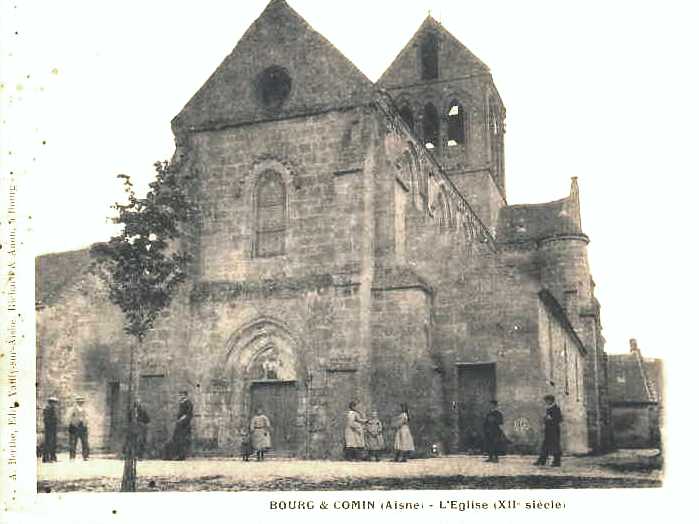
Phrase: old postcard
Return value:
(363, 260)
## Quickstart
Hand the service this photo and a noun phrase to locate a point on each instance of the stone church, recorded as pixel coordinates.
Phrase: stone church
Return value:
(355, 242)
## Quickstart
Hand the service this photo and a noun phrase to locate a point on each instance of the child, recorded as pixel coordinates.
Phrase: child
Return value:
(245, 445)
(373, 436)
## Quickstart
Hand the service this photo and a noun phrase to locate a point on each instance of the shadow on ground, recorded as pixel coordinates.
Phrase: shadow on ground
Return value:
(220, 483)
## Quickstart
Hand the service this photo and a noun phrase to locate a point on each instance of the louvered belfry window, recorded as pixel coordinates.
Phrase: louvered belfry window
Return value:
(270, 231)
(430, 126)
(429, 52)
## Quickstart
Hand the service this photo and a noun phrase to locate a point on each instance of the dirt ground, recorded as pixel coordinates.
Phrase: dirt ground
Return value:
(626, 468)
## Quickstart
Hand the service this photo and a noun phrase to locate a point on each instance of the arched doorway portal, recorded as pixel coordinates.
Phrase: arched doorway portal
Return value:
(266, 372)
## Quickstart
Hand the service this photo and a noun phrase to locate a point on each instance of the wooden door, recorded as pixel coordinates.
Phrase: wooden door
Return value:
(279, 401)
(116, 408)
(476, 390)
(159, 406)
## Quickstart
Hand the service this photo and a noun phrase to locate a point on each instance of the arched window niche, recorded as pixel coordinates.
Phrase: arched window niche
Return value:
(270, 215)
(407, 115)
(430, 127)
(443, 215)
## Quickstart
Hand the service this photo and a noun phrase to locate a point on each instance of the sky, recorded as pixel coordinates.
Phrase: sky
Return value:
(600, 90)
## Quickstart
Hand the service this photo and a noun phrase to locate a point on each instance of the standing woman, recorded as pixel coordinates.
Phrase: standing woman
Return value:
(354, 432)
(403, 443)
(261, 429)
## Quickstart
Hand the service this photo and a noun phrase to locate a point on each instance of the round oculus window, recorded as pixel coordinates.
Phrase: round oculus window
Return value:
(273, 87)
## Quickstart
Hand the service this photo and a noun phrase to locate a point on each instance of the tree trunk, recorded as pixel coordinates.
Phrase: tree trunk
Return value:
(128, 478)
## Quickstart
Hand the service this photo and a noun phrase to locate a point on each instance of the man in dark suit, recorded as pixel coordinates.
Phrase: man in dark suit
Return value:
(552, 433)
(182, 437)
(50, 430)
(493, 437)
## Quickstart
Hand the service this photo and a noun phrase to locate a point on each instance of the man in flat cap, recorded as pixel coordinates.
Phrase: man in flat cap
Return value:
(77, 429)
(182, 436)
(50, 430)
(552, 433)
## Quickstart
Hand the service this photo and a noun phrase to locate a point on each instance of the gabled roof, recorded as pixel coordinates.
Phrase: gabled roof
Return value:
(57, 272)
(322, 78)
(455, 59)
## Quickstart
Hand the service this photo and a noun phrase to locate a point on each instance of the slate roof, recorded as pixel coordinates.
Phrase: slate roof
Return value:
(323, 79)
(536, 221)
(57, 272)
(628, 379)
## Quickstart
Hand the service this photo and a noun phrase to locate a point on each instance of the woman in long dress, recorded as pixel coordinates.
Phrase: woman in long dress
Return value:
(403, 443)
(354, 433)
(260, 429)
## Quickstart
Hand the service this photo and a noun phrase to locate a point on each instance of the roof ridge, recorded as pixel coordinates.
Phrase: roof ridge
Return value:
(644, 375)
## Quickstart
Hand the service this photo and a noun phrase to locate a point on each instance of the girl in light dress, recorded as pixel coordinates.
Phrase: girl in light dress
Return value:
(403, 444)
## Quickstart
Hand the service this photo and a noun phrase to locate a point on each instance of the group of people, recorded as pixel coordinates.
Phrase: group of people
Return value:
(77, 430)
(178, 448)
(495, 441)
(365, 435)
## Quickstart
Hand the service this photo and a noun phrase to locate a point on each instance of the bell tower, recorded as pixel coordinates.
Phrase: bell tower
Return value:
(448, 98)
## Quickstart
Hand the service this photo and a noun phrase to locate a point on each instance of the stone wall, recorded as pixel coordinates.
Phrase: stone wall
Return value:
(484, 305)
(81, 349)
(635, 426)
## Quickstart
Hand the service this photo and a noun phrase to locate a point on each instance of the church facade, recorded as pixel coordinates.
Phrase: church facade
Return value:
(355, 243)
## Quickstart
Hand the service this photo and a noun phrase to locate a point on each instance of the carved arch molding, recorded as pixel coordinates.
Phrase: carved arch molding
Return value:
(289, 172)
(263, 350)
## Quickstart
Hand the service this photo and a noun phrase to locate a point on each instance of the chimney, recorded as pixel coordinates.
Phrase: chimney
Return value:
(634, 346)
(573, 207)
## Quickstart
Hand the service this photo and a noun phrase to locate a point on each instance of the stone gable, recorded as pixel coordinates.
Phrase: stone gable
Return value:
(321, 78)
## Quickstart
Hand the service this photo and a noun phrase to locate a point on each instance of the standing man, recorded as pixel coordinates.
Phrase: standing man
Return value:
(77, 429)
(142, 421)
(552, 433)
(182, 437)
(493, 436)
(50, 430)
